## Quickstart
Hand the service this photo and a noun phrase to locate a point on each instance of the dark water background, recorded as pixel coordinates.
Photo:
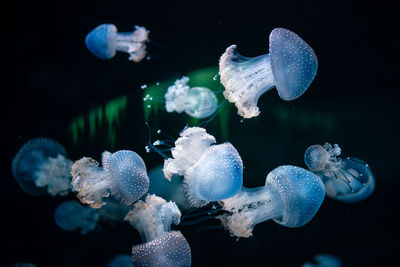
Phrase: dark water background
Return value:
(52, 78)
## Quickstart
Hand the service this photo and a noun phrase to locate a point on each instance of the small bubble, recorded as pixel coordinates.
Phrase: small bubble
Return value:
(144, 86)
(148, 106)
(157, 83)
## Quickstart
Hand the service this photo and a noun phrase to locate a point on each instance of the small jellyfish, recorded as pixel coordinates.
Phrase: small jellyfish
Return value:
(324, 260)
(161, 246)
(71, 215)
(41, 165)
(123, 175)
(104, 41)
(346, 179)
(291, 197)
(211, 172)
(290, 66)
(121, 260)
(197, 102)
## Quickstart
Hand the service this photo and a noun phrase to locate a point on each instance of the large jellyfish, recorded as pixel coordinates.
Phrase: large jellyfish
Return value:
(346, 179)
(161, 246)
(324, 260)
(123, 175)
(71, 215)
(197, 102)
(104, 41)
(211, 172)
(291, 197)
(121, 260)
(41, 165)
(290, 66)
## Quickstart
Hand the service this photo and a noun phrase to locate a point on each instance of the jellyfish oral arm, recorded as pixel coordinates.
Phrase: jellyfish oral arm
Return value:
(133, 43)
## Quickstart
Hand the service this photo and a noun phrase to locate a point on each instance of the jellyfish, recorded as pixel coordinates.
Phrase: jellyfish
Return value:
(346, 179)
(324, 260)
(290, 66)
(71, 215)
(113, 211)
(123, 175)
(104, 41)
(121, 260)
(161, 246)
(42, 165)
(211, 172)
(291, 197)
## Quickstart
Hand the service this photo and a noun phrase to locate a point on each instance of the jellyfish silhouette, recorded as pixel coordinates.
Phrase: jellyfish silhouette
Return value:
(41, 165)
(324, 260)
(105, 40)
(290, 66)
(211, 172)
(345, 179)
(120, 260)
(123, 175)
(71, 215)
(291, 197)
(161, 246)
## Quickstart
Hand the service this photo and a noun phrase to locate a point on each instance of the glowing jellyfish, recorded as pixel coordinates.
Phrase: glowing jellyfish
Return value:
(211, 172)
(104, 41)
(324, 260)
(161, 246)
(291, 197)
(123, 175)
(41, 165)
(197, 102)
(346, 179)
(291, 65)
(71, 215)
(121, 260)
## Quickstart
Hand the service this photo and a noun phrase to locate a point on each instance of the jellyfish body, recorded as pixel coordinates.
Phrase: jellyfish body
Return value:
(324, 260)
(123, 175)
(105, 40)
(290, 66)
(291, 197)
(345, 179)
(211, 172)
(41, 165)
(161, 246)
(71, 215)
(197, 102)
(121, 260)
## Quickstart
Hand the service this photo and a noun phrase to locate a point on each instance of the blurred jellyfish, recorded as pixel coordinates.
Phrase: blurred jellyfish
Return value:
(197, 102)
(71, 215)
(121, 260)
(211, 172)
(346, 179)
(104, 41)
(123, 175)
(168, 190)
(41, 165)
(161, 246)
(113, 211)
(291, 65)
(291, 197)
(324, 260)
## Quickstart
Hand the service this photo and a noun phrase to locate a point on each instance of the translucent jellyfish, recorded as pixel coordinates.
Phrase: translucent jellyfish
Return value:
(41, 165)
(161, 246)
(123, 175)
(324, 260)
(346, 179)
(71, 215)
(168, 190)
(197, 102)
(113, 211)
(211, 172)
(104, 41)
(291, 197)
(290, 66)
(121, 260)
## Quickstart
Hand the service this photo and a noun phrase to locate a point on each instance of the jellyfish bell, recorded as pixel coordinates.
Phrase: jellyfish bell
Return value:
(71, 215)
(105, 40)
(345, 179)
(161, 246)
(123, 175)
(291, 197)
(324, 260)
(290, 66)
(41, 166)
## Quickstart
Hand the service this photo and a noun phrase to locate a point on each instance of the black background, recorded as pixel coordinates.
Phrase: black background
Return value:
(50, 78)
